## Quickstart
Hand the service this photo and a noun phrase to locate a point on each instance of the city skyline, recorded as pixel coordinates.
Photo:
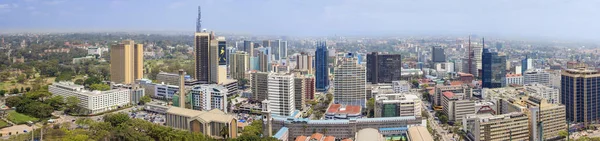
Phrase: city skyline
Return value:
(556, 19)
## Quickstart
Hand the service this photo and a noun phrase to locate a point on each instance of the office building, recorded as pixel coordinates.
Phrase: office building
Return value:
(350, 82)
(514, 79)
(281, 93)
(239, 65)
(93, 102)
(493, 70)
(209, 123)
(283, 50)
(439, 89)
(300, 92)
(136, 91)
(263, 61)
(310, 86)
(437, 54)
(321, 67)
(544, 117)
(383, 68)
(457, 106)
(552, 95)
(259, 85)
(398, 105)
(578, 89)
(304, 62)
(249, 48)
(217, 61)
(209, 96)
(127, 60)
(488, 127)
(170, 78)
(202, 56)
(537, 76)
(526, 64)
(476, 65)
(401, 86)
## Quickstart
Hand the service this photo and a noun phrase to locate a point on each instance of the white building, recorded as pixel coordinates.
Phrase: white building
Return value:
(398, 104)
(281, 94)
(209, 96)
(401, 86)
(350, 82)
(516, 79)
(96, 51)
(536, 76)
(552, 95)
(92, 101)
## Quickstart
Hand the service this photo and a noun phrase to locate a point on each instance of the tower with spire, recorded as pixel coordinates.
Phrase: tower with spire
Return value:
(199, 20)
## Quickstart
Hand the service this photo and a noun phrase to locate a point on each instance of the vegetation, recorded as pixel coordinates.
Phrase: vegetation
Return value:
(3, 123)
(371, 107)
(145, 99)
(35, 104)
(19, 118)
(100, 87)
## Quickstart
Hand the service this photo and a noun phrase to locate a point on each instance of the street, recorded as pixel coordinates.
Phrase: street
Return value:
(433, 123)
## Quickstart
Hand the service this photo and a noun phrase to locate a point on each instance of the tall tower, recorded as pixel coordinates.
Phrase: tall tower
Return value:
(267, 120)
(202, 56)
(470, 57)
(321, 67)
(199, 20)
(126, 63)
(182, 88)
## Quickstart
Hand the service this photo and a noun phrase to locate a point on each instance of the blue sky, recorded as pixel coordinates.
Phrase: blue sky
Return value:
(573, 19)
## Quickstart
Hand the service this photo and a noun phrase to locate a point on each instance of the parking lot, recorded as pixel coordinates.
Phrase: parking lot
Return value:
(148, 116)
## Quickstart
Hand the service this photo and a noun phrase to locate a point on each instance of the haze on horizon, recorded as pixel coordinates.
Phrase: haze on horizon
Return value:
(565, 19)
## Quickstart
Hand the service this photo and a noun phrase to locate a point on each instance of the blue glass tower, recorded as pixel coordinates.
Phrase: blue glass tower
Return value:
(321, 67)
(524, 64)
(493, 69)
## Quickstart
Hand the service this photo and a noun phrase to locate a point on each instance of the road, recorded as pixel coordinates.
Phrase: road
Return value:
(433, 123)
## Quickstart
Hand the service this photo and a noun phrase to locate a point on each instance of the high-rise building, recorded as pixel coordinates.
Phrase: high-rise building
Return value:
(304, 62)
(239, 66)
(209, 96)
(266, 43)
(493, 70)
(310, 86)
(249, 48)
(321, 67)
(126, 62)
(578, 92)
(526, 64)
(283, 48)
(300, 92)
(350, 82)
(456, 106)
(218, 72)
(281, 95)
(259, 85)
(202, 56)
(437, 54)
(275, 49)
(383, 68)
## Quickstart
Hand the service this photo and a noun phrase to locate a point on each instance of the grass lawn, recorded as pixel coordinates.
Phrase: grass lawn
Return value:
(3, 123)
(7, 85)
(19, 118)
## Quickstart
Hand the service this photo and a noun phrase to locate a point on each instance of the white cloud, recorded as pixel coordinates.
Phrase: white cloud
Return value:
(55, 2)
(4, 6)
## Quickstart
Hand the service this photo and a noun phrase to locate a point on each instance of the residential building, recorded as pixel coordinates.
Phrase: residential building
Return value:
(493, 69)
(397, 105)
(239, 65)
(577, 85)
(259, 86)
(281, 93)
(514, 79)
(209, 96)
(350, 82)
(209, 123)
(537, 90)
(93, 102)
(321, 67)
(127, 61)
(401, 86)
(338, 111)
(488, 127)
(383, 68)
(457, 106)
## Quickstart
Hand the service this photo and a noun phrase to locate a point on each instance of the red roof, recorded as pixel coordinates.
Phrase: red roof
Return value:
(455, 83)
(317, 136)
(301, 138)
(448, 94)
(347, 140)
(513, 75)
(349, 109)
(329, 138)
(461, 74)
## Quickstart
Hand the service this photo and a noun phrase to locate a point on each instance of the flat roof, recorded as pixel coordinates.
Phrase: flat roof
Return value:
(280, 133)
(448, 94)
(344, 109)
(419, 133)
(367, 134)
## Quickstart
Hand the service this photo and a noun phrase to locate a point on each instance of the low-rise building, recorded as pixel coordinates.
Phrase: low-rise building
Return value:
(550, 94)
(369, 134)
(439, 89)
(397, 104)
(488, 127)
(419, 133)
(401, 86)
(338, 111)
(514, 79)
(209, 96)
(93, 102)
(209, 123)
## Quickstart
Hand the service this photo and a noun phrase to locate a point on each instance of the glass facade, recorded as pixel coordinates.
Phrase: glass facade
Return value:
(383, 68)
(581, 96)
(493, 69)
(321, 67)
(390, 110)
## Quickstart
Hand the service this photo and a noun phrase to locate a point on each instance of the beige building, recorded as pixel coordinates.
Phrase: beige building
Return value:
(238, 66)
(369, 134)
(552, 116)
(218, 73)
(419, 133)
(439, 89)
(397, 105)
(488, 127)
(209, 123)
(300, 92)
(126, 62)
(259, 85)
(457, 106)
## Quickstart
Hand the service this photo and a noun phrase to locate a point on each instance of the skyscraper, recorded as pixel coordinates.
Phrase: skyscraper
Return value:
(350, 82)
(493, 69)
(438, 55)
(126, 62)
(249, 48)
(526, 64)
(275, 46)
(259, 85)
(239, 65)
(321, 67)
(201, 56)
(283, 50)
(579, 93)
(281, 94)
(304, 62)
(383, 68)
(218, 73)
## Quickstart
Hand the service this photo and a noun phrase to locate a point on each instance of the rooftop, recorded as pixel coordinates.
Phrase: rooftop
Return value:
(419, 133)
(368, 134)
(280, 133)
(448, 94)
(343, 109)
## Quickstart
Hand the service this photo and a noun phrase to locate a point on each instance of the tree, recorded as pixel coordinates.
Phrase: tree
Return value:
(13, 101)
(563, 133)
(28, 89)
(92, 80)
(15, 91)
(57, 102)
(21, 78)
(145, 99)
(224, 131)
(443, 119)
(116, 118)
(71, 103)
(370, 107)
(38, 95)
(79, 82)
(100, 87)
(255, 128)
(2, 92)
